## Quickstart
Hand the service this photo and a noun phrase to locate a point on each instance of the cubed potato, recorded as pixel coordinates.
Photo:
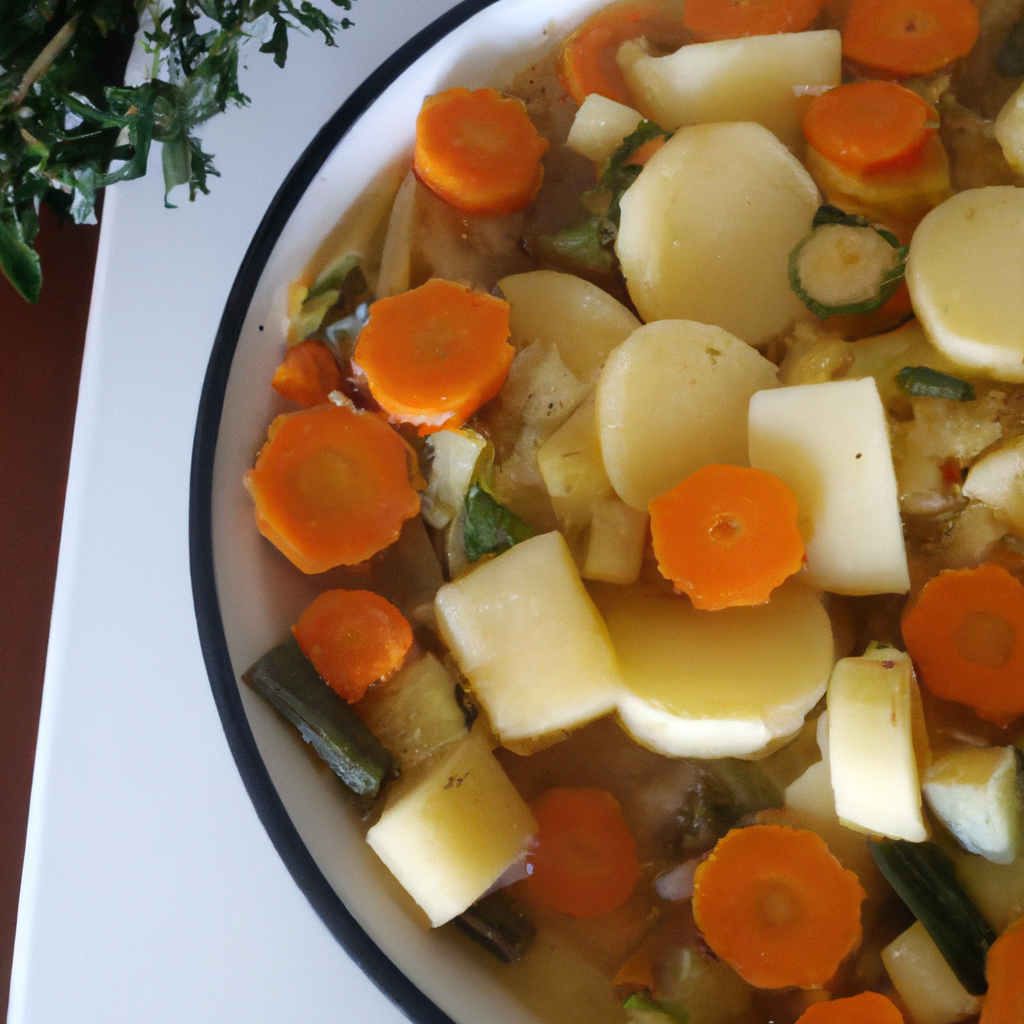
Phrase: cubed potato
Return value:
(829, 443)
(766, 79)
(708, 226)
(997, 479)
(531, 642)
(599, 127)
(579, 319)
(965, 273)
(673, 398)
(1009, 130)
(717, 684)
(450, 830)
(997, 890)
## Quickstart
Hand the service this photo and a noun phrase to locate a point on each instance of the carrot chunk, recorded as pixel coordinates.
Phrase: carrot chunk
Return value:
(727, 535)
(587, 64)
(432, 356)
(307, 374)
(869, 126)
(866, 1008)
(709, 20)
(775, 905)
(909, 37)
(1004, 970)
(331, 486)
(585, 861)
(478, 151)
(354, 638)
(966, 636)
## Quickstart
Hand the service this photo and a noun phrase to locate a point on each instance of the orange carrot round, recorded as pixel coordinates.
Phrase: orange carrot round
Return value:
(307, 374)
(775, 905)
(478, 151)
(1004, 971)
(727, 535)
(966, 635)
(909, 37)
(585, 862)
(866, 1008)
(354, 638)
(869, 126)
(331, 486)
(432, 356)
(709, 20)
(587, 61)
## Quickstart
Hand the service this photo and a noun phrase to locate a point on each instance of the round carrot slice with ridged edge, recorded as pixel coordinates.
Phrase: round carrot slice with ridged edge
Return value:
(433, 355)
(866, 1008)
(331, 486)
(479, 151)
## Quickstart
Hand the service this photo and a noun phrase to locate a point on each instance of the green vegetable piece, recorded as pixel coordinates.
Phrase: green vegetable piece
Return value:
(924, 382)
(336, 295)
(490, 528)
(651, 1010)
(499, 925)
(846, 265)
(288, 680)
(925, 879)
(580, 249)
(617, 173)
(1009, 60)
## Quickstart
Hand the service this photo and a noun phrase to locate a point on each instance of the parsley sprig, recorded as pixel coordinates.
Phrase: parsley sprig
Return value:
(69, 127)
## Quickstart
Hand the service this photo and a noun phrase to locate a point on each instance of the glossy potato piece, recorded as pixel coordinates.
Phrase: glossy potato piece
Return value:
(583, 322)
(672, 398)
(965, 273)
(717, 684)
(708, 226)
(755, 78)
(599, 127)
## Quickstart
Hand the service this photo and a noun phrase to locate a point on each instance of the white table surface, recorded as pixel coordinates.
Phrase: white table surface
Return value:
(151, 892)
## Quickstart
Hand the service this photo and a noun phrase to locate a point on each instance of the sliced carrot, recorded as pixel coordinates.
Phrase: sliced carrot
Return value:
(432, 356)
(644, 152)
(1004, 971)
(775, 905)
(727, 535)
(966, 635)
(354, 638)
(869, 126)
(308, 374)
(331, 486)
(866, 1008)
(586, 62)
(584, 863)
(709, 20)
(909, 37)
(478, 151)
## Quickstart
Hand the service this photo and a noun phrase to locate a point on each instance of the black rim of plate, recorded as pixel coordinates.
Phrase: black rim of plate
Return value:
(269, 807)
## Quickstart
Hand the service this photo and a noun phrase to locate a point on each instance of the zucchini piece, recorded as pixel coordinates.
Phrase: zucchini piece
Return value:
(925, 879)
(499, 925)
(287, 679)
(846, 265)
(644, 1009)
(924, 382)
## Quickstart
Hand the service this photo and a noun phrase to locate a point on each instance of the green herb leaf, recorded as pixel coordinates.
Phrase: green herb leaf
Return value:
(490, 527)
(20, 262)
(924, 382)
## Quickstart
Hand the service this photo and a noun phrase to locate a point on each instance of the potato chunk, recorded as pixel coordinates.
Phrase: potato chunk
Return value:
(672, 398)
(708, 226)
(757, 78)
(965, 273)
(450, 830)
(531, 642)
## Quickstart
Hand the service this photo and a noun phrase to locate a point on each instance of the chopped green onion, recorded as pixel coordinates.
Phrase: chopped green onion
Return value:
(924, 382)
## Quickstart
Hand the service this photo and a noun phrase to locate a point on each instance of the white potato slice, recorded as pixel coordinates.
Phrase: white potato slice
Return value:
(965, 273)
(871, 745)
(708, 226)
(450, 830)
(997, 479)
(717, 684)
(766, 79)
(1009, 130)
(671, 399)
(531, 642)
(829, 443)
(599, 127)
(583, 322)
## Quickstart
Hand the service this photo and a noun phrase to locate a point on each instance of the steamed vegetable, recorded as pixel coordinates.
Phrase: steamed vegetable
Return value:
(307, 374)
(865, 1008)
(723, 19)
(1004, 971)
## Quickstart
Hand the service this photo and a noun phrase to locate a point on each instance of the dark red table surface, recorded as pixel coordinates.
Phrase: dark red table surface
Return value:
(40, 360)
